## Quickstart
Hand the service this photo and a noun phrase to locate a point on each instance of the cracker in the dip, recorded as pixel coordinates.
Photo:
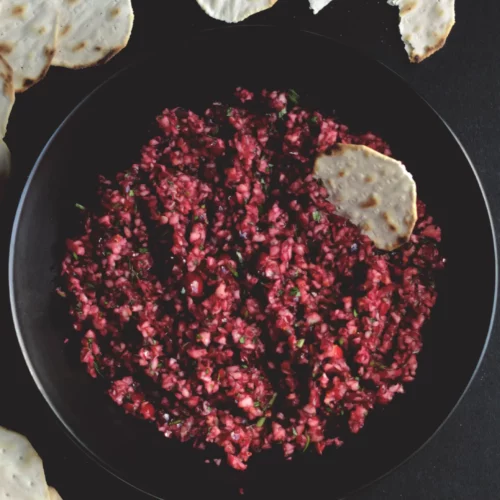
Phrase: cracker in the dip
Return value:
(424, 25)
(317, 5)
(373, 191)
(92, 31)
(21, 469)
(7, 95)
(234, 11)
(28, 36)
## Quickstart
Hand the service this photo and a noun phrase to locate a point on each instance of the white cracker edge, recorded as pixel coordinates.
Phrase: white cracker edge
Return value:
(5, 160)
(317, 5)
(53, 494)
(424, 25)
(28, 36)
(92, 31)
(234, 11)
(21, 469)
(375, 192)
(7, 95)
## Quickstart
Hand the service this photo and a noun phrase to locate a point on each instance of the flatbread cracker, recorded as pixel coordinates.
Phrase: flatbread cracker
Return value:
(424, 25)
(28, 35)
(234, 11)
(21, 469)
(317, 5)
(7, 95)
(91, 32)
(375, 192)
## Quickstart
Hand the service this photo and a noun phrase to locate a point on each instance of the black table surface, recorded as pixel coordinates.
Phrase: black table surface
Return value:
(462, 82)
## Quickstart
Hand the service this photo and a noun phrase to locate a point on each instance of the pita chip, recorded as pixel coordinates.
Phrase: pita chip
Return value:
(7, 95)
(28, 35)
(424, 25)
(373, 191)
(234, 11)
(21, 470)
(317, 5)
(91, 32)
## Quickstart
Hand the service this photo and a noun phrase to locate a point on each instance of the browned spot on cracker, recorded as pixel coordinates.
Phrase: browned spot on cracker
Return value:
(429, 50)
(65, 30)
(341, 173)
(370, 202)
(408, 8)
(8, 86)
(109, 55)
(28, 82)
(5, 48)
(18, 10)
(41, 30)
(369, 179)
(390, 223)
(6, 75)
(49, 52)
(97, 48)
(114, 12)
(337, 149)
(78, 46)
(366, 227)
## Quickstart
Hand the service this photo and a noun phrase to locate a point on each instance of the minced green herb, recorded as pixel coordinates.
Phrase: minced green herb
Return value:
(355, 313)
(295, 292)
(242, 340)
(293, 96)
(272, 400)
(240, 257)
(316, 216)
(282, 113)
(308, 442)
(261, 421)
(300, 342)
(80, 207)
(97, 369)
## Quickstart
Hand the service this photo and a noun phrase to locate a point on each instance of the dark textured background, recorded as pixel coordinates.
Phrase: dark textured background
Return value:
(462, 82)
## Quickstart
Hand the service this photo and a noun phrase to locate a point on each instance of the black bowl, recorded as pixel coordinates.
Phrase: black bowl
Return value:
(104, 134)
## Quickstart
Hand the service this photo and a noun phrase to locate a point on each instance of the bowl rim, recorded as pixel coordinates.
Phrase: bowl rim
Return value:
(290, 30)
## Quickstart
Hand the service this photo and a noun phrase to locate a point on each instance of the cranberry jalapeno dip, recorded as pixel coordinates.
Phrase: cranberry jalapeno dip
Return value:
(220, 296)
